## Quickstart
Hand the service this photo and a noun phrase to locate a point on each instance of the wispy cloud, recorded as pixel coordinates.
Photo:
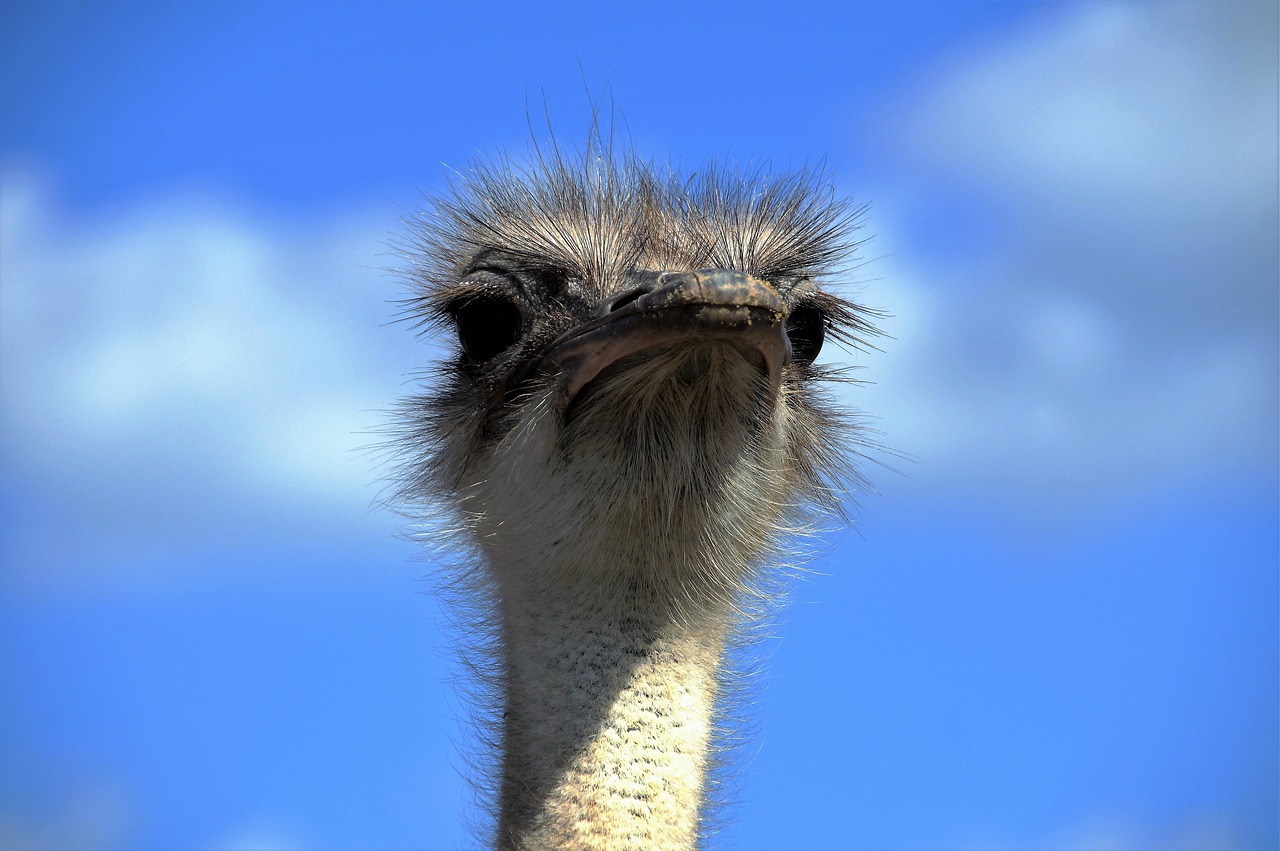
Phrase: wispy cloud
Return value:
(1112, 325)
(184, 374)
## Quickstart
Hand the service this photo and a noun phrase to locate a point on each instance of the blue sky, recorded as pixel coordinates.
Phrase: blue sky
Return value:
(1056, 629)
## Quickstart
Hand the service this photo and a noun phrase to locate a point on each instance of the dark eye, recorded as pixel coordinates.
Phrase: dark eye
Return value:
(806, 326)
(487, 325)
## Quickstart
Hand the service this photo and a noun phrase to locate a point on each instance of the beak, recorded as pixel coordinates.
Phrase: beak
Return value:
(675, 307)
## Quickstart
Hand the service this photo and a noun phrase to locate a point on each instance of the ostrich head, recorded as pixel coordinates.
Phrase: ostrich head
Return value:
(629, 426)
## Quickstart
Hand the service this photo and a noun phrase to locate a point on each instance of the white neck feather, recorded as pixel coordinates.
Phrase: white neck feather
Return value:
(608, 720)
(614, 598)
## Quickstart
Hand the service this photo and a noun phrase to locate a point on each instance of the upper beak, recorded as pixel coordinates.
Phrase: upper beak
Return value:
(675, 307)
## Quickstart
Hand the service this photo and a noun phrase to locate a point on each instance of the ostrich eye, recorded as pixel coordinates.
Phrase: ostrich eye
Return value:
(806, 326)
(487, 325)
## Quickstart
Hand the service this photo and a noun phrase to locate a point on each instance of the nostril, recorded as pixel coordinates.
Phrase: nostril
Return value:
(620, 301)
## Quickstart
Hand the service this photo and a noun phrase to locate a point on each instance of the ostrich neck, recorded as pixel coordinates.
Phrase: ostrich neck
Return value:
(608, 716)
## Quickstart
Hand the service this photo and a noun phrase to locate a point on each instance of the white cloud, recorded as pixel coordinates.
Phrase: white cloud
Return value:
(1165, 102)
(1116, 330)
(186, 373)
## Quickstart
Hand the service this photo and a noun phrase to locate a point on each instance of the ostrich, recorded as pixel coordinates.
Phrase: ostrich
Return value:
(627, 434)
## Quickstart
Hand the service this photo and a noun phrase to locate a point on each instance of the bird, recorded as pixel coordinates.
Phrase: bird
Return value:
(625, 439)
